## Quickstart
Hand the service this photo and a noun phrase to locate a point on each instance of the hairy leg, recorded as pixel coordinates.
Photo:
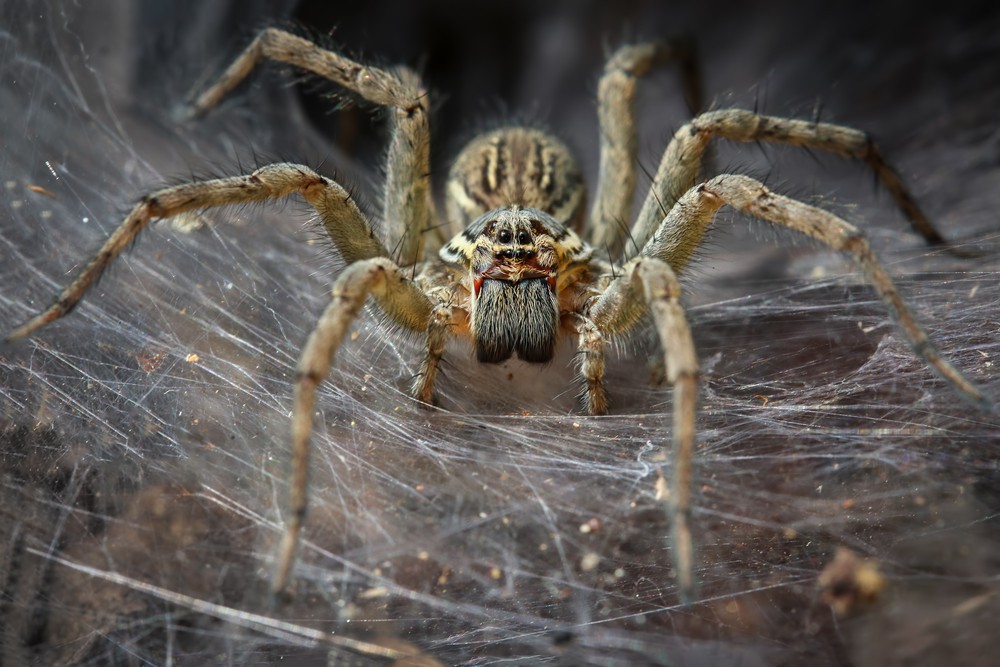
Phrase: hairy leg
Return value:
(647, 284)
(378, 277)
(684, 226)
(438, 330)
(408, 204)
(681, 162)
(612, 209)
(348, 228)
(593, 396)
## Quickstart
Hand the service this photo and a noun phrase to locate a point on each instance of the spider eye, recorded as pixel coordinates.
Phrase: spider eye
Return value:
(504, 236)
(523, 238)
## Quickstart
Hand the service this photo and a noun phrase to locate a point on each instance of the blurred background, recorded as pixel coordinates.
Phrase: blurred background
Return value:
(144, 438)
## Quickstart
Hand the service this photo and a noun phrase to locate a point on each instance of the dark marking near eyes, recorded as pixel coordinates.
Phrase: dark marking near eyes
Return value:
(557, 232)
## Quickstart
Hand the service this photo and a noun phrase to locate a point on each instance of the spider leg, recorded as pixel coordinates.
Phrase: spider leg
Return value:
(680, 164)
(408, 204)
(684, 226)
(649, 284)
(347, 226)
(616, 92)
(378, 277)
(591, 348)
(438, 330)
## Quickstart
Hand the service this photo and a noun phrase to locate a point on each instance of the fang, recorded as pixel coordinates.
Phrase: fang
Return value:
(515, 318)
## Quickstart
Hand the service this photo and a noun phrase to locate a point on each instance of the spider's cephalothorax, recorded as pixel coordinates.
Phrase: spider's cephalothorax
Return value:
(519, 275)
(519, 191)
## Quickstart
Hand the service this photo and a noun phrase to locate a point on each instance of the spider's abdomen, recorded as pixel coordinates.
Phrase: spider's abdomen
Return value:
(515, 318)
(515, 166)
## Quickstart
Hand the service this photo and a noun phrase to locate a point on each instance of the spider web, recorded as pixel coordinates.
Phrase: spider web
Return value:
(145, 436)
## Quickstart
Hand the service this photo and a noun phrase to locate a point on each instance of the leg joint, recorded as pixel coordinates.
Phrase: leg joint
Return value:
(308, 375)
(855, 242)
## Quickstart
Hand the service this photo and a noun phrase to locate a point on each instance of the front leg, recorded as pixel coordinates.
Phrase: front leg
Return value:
(686, 223)
(378, 277)
(647, 284)
(593, 396)
(438, 331)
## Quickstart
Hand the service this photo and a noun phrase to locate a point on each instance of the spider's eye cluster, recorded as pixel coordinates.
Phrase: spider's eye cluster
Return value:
(507, 236)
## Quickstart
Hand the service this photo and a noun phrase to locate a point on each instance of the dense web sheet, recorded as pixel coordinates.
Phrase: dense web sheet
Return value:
(144, 438)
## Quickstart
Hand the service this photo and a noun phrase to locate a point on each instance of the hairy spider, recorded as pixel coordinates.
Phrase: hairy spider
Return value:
(521, 273)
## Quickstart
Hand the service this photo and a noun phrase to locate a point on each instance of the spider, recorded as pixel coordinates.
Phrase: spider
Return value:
(522, 272)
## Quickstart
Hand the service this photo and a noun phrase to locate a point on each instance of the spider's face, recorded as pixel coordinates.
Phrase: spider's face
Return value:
(512, 245)
(514, 257)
